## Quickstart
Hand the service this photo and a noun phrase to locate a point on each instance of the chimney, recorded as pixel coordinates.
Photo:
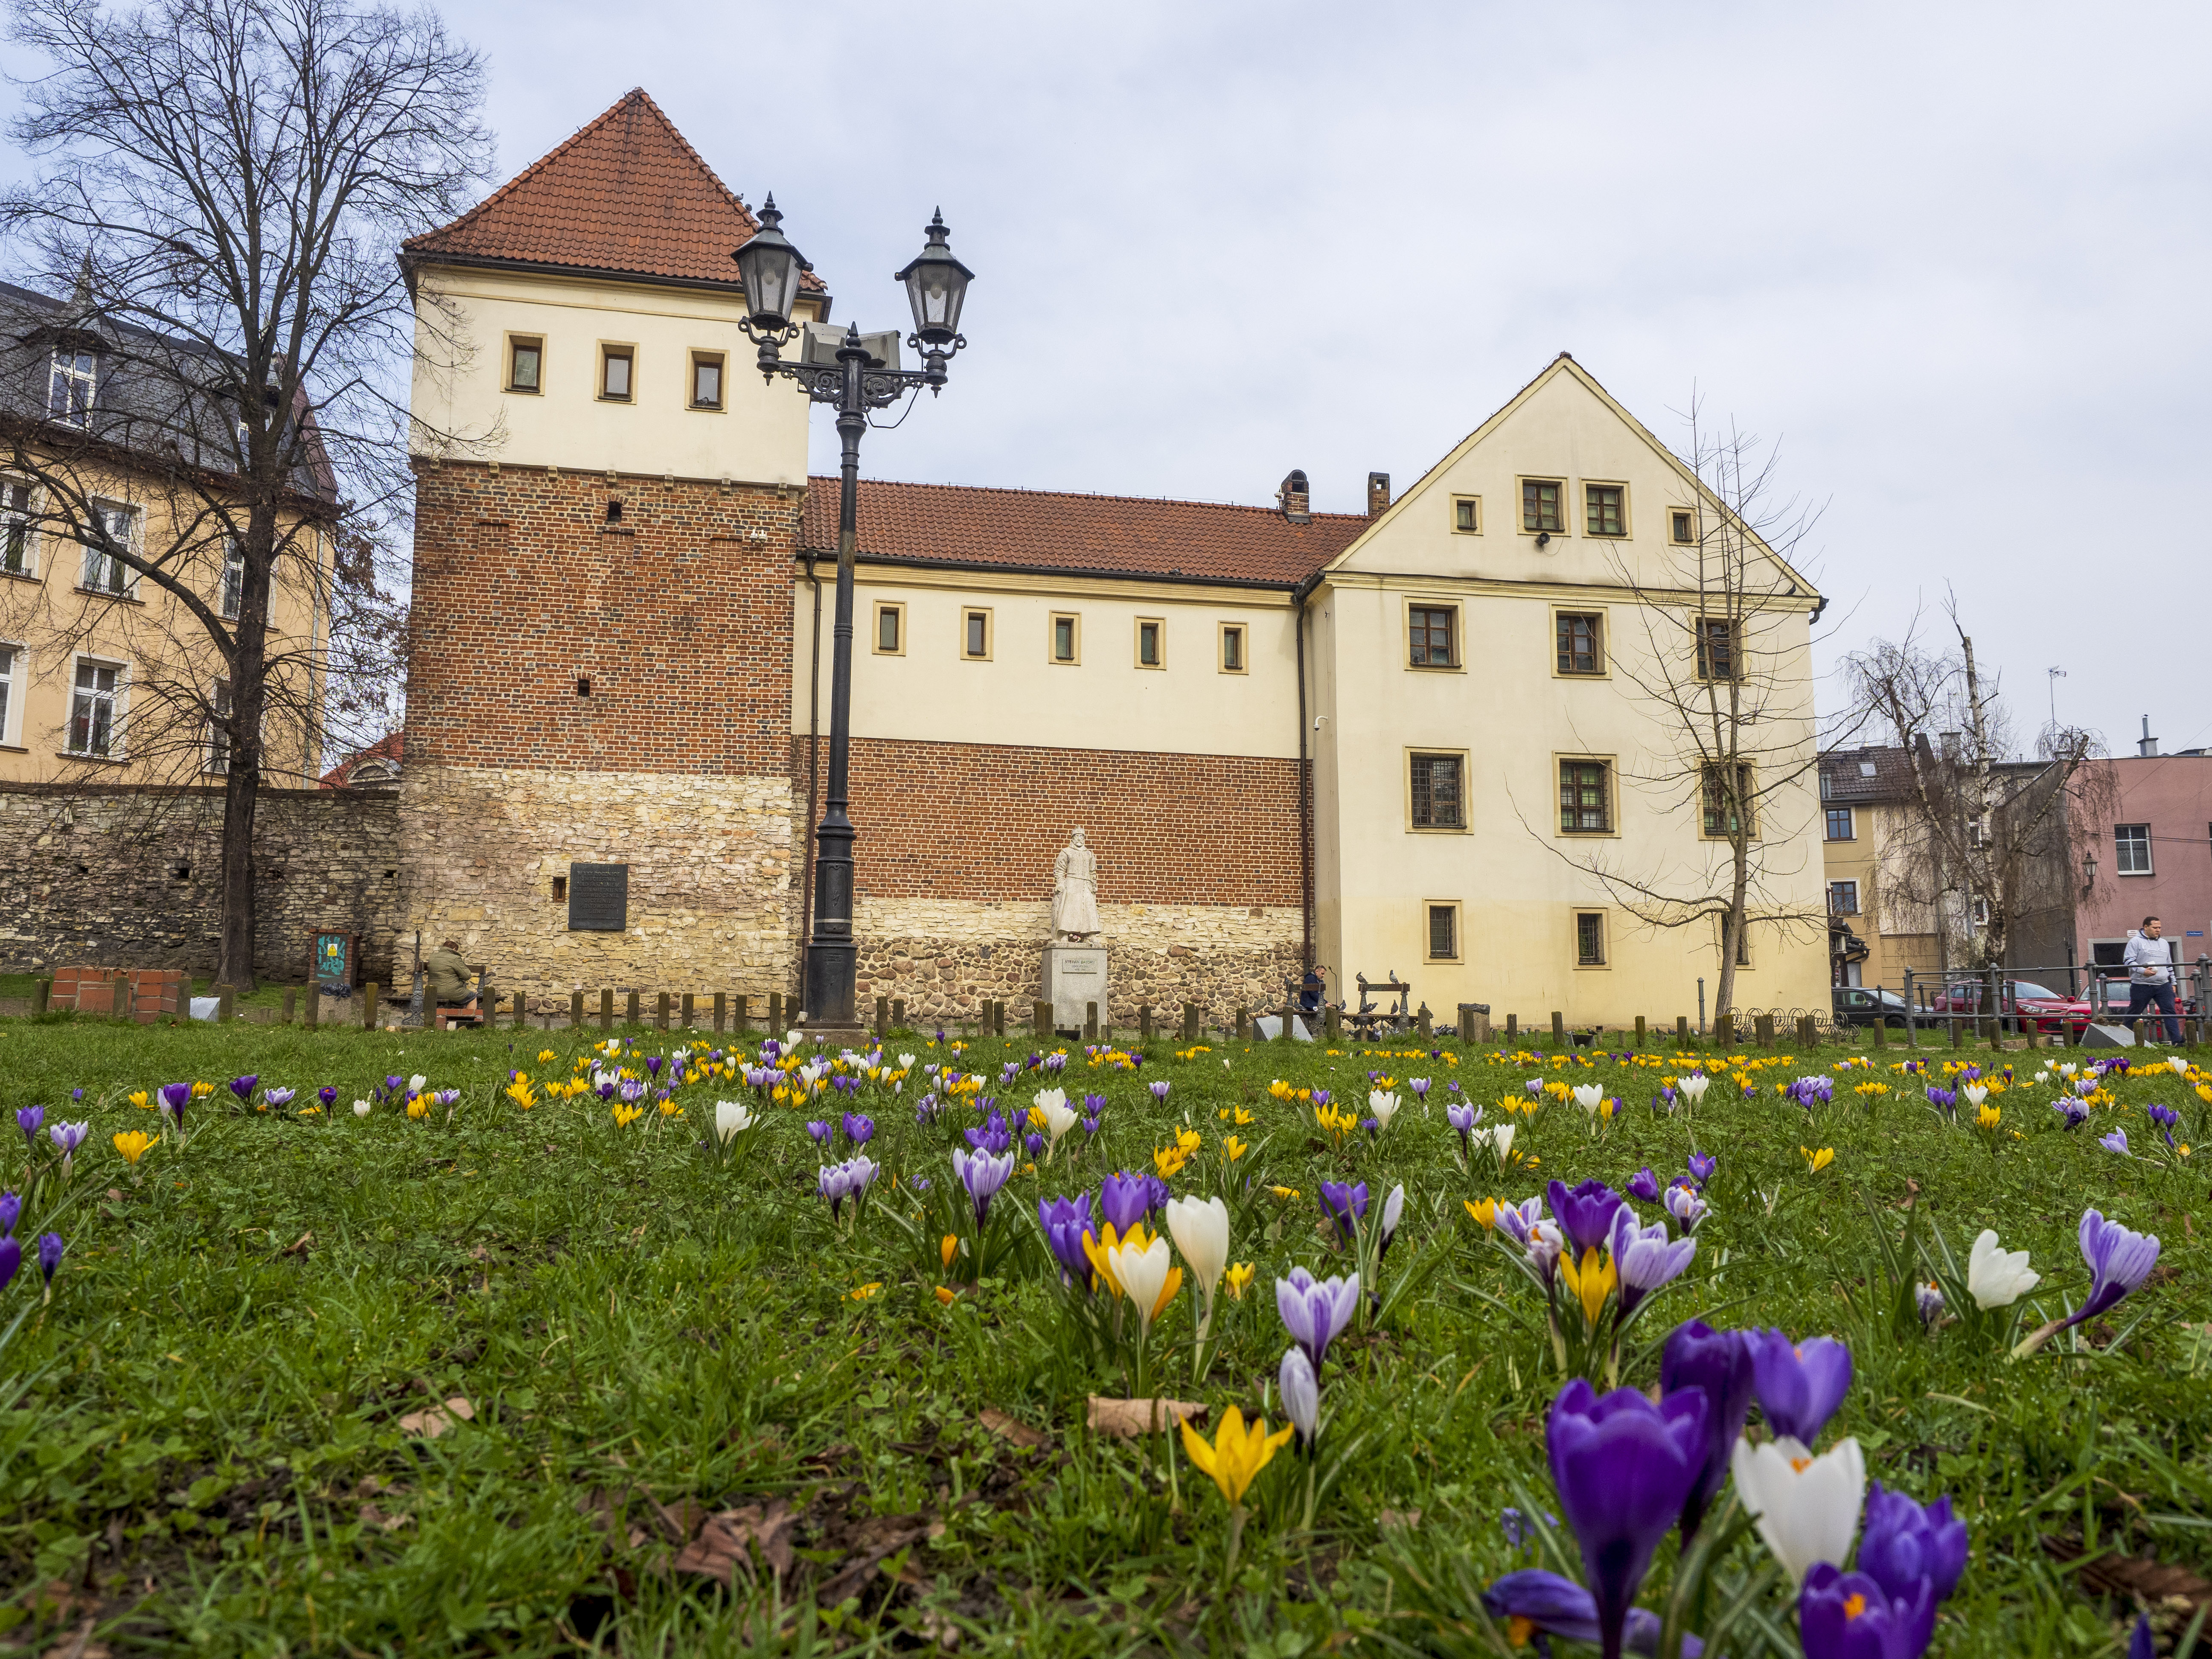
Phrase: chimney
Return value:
(2148, 746)
(1378, 493)
(1950, 740)
(1294, 498)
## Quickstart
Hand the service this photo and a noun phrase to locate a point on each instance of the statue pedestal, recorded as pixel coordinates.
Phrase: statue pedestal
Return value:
(1074, 978)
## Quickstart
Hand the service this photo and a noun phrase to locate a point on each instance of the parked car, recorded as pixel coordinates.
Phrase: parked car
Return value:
(2051, 1011)
(1861, 1006)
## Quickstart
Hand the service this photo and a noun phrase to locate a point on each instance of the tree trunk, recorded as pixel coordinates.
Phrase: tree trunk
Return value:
(242, 781)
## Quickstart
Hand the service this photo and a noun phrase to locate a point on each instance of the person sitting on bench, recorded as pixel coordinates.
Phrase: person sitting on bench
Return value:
(450, 986)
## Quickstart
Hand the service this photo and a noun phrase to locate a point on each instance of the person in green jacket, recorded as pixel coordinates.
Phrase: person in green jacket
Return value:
(451, 978)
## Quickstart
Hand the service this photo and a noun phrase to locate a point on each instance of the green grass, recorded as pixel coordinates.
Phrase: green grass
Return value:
(210, 1455)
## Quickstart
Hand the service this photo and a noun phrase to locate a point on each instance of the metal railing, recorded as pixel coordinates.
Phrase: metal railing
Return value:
(1987, 1000)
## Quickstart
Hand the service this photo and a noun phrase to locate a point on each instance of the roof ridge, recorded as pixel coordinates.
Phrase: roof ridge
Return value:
(1075, 495)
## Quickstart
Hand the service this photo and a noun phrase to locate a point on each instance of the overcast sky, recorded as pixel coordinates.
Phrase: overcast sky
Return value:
(1952, 259)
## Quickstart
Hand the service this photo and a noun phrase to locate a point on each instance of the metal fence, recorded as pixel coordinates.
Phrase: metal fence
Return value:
(2053, 1001)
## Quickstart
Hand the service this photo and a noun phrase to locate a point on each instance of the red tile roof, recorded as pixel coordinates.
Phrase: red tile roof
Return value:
(1081, 535)
(625, 196)
(388, 748)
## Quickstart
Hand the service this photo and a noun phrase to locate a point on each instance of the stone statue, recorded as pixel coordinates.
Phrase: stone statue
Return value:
(1075, 892)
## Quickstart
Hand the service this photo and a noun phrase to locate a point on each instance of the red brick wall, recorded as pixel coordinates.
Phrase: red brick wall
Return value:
(154, 991)
(984, 821)
(682, 621)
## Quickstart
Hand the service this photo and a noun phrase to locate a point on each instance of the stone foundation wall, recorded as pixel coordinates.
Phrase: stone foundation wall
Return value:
(118, 876)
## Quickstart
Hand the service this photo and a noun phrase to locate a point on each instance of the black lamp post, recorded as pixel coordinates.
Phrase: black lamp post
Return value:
(863, 376)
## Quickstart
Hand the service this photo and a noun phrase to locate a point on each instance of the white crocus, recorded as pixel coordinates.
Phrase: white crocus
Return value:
(2067, 1068)
(361, 1109)
(732, 1119)
(1143, 1275)
(2043, 1077)
(2180, 1066)
(1807, 1507)
(1590, 1097)
(792, 1039)
(1976, 1093)
(1199, 1228)
(1385, 1107)
(1692, 1088)
(906, 1062)
(1501, 1137)
(1996, 1278)
(415, 1083)
(1059, 1117)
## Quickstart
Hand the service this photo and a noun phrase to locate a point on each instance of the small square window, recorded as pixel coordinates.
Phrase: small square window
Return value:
(1581, 642)
(1590, 938)
(1539, 505)
(1843, 898)
(1840, 826)
(1466, 515)
(1152, 642)
(1606, 509)
(1443, 933)
(975, 636)
(1232, 648)
(1585, 797)
(706, 379)
(1718, 655)
(1431, 632)
(890, 630)
(1682, 527)
(2131, 850)
(617, 365)
(525, 364)
(1438, 795)
(560, 889)
(1067, 638)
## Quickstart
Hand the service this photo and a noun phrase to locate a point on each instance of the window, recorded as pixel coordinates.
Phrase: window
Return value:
(1590, 938)
(69, 388)
(218, 732)
(617, 365)
(1725, 806)
(16, 538)
(1443, 933)
(1843, 898)
(975, 636)
(1981, 912)
(233, 577)
(1585, 797)
(1232, 648)
(95, 710)
(1437, 795)
(9, 654)
(1605, 509)
(706, 379)
(1840, 827)
(1152, 642)
(1580, 642)
(1742, 941)
(525, 363)
(103, 572)
(1466, 515)
(1717, 656)
(1428, 630)
(1539, 505)
(890, 630)
(1067, 638)
(2131, 850)
(1681, 527)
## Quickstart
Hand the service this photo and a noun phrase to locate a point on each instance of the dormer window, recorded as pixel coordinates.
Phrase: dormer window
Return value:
(69, 386)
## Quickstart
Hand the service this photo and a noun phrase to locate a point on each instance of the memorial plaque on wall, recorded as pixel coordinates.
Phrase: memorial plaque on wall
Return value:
(598, 898)
(332, 960)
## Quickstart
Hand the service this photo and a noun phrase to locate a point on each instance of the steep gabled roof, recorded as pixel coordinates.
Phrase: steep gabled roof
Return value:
(391, 748)
(962, 525)
(1879, 772)
(625, 197)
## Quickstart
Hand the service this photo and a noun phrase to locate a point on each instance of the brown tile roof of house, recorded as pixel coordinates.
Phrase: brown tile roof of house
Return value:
(1877, 773)
(391, 748)
(1081, 535)
(625, 196)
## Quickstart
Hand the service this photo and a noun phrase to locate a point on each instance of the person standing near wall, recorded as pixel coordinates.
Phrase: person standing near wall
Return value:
(2150, 978)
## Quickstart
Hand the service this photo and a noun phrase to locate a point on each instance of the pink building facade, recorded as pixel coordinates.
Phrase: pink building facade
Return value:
(2152, 858)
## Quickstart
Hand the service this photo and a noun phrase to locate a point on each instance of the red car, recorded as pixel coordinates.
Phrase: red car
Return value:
(2050, 1009)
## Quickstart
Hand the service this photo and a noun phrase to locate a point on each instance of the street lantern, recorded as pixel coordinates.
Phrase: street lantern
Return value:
(936, 287)
(2089, 870)
(770, 267)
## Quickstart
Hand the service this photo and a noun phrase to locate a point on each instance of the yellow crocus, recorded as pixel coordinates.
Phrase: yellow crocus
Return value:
(418, 1107)
(1285, 1193)
(546, 1056)
(1816, 1162)
(202, 1090)
(1485, 1212)
(1234, 1148)
(519, 1092)
(1238, 1276)
(1591, 1282)
(949, 1248)
(139, 1099)
(625, 1115)
(1987, 1117)
(1238, 1455)
(861, 1293)
(132, 1144)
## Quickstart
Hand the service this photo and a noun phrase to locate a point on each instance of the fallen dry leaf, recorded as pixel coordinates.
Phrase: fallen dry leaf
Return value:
(1125, 1419)
(299, 1246)
(879, 1536)
(434, 1420)
(936, 1627)
(732, 1536)
(1009, 1428)
(372, 1517)
(1389, 1518)
(2107, 1573)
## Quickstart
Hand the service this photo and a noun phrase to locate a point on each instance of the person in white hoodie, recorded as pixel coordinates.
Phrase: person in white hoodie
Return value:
(2151, 978)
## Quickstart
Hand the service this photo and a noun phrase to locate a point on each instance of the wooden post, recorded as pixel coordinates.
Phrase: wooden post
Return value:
(722, 1011)
(1332, 1023)
(1762, 1030)
(314, 1004)
(1420, 1023)
(1881, 1031)
(368, 1005)
(1681, 1030)
(1723, 1033)
(659, 1010)
(1190, 1022)
(883, 1016)
(41, 993)
(999, 1017)
(775, 1015)
(1805, 1037)
(1240, 1024)
(225, 999)
(630, 1016)
(739, 1014)
(575, 1011)
(1090, 1022)
(291, 1004)
(1144, 1022)
(898, 1013)
(1958, 1034)
(521, 1011)
(1041, 1020)
(1558, 1031)
(1512, 1027)
(606, 1009)
(685, 1011)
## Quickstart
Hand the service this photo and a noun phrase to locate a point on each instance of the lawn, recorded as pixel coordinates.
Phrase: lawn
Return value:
(509, 1379)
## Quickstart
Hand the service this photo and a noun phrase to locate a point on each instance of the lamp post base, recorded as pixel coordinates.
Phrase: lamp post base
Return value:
(847, 1035)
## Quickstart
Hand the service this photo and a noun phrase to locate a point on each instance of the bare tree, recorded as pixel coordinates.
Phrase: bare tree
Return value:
(226, 185)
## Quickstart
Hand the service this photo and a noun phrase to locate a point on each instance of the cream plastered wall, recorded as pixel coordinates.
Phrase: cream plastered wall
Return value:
(462, 407)
(1514, 718)
(1020, 696)
(49, 621)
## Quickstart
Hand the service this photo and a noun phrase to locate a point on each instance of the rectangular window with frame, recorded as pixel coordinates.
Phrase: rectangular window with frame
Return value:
(1232, 648)
(1443, 933)
(1720, 656)
(1585, 797)
(96, 710)
(525, 363)
(15, 529)
(1539, 505)
(1580, 640)
(103, 572)
(1152, 642)
(2131, 850)
(70, 387)
(1605, 509)
(1841, 827)
(1725, 807)
(1590, 938)
(1742, 942)
(617, 373)
(1067, 638)
(218, 731)
(890, 630)
(706, 379)
(1681, 527)
(10, 655)
(1843, 898)
(1439, 792)
(975, 636)
(1981, 912)
(233, 577)
(1467, 516)
(1433, 635)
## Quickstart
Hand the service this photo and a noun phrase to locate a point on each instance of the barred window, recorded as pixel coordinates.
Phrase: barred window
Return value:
(1718, 657)
(1436, 794)
(1590, 938)
(1443, 933)
(1725, 807)
(1585, 797)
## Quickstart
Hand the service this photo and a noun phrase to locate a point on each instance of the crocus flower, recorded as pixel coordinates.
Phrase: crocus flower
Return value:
(1199, 1228)
(1384, 1106)
(1144, 1270)
(1799, 1385)
(1238, 1455)
(819, 1131)
(1622, 1468)
(1590, 1097)
(1693, 1086)
(982, 1175)
(1903, 1543)
(2140, 1644)
(243, 1087)
(2117, 1142)
(2120, 1260)
(11, 1209)
(67, 1138)
(1929, 1298)
(732, 1118)
(1696, 1356)
(1848, 1615)
(1645, 1258)
(1644, 1186)
(1702, 1165)
(1344, 1204)
(328, 1094)
(1463, 1115)
(1065, 1220)
(1545, 1244)
(1059, 1117)
(1807, 1507)
(1515, 1220)
(1585, 1215)
(1301, 1392)
(50, 1254)
(11, 1257)
(1315, 1311)
(1536, 1087)
(1683, 1202)
(28, 1120)
(1533, 1602)
(2072, 1110)
(860, 1129)
(1125, 1200)
(1394, 1206)
(1996, 1278)
(1159, 1091)
(278, 1096)
(1033, 1144)
(360, 1108)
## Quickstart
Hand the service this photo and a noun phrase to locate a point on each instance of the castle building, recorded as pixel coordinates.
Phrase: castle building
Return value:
(1416, 741)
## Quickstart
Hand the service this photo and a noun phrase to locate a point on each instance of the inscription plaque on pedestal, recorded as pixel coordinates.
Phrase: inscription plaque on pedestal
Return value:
(598, 898)
(1074, 976)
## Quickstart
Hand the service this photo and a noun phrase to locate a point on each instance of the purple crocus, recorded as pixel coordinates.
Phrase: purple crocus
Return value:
(1463, 1115)
(1515, 1220)
(1702, 1165)
(28, 1120)
(2120, 1260)
(1033, 1144)
(11, 1209)
(1685, 1205)
(1585, 1215)
(1800, 1385)
(1554, 1605)
(1315, 1311)
(859, 1129)
(2072, 1110)
(1848, 1615)
(652, 1063)
(1160, 1090)
(1644, 1186)
(2141, 1643)
(1125, 1200)
(1622, 1467)
(1536, 1087)
(1645, 1258)
(1155, 1195)
(1719, 1364)
(50, 1254)
(2117, 1142)
(1321, 1098)
(1344, 1204)
(328, 1094)
(278, 1098)
(68, 1137)
(995, 1138)
(1945, 1101)
(982, 1175)
(1419, 1085)
(819, 1132)
(243, 1087)
(11, 1257)
(1065, 1221)
(1903, 1542)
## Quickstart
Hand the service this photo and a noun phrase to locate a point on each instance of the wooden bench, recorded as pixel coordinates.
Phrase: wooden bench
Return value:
(444, 1016)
